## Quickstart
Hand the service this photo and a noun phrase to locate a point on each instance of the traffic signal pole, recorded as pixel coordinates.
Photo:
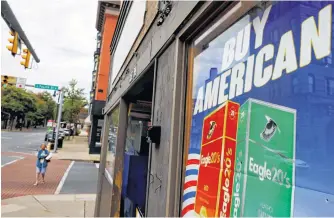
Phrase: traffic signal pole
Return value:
(58, 119)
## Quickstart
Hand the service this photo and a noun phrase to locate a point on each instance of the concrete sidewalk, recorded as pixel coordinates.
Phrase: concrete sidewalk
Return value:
(76, 149)
(49, 206)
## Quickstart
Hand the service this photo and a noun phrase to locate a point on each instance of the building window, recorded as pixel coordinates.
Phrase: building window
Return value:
(311, 83)
(330, 86)
(295, 85)
(328, 59)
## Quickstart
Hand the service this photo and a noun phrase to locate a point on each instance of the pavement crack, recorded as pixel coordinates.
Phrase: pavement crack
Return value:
(45, 208)
(84, 208)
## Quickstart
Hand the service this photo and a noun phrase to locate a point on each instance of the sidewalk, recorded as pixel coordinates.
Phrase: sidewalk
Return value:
(76, 149)
(49, 206)
(18, 178)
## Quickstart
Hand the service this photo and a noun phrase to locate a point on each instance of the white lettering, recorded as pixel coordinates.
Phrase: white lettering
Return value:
(243, 40)
(249, 73)
(211, 94)
(318, 38)
(228, 55)
(223, 86)
(286, 56)
(262, 76)
(237, 81)
(259, 27)
(199, 101)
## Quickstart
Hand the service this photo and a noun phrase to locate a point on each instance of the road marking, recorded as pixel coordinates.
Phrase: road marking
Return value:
(97, 165)
(4, 137)
(62, 181)
(32, 153)
(13, 161)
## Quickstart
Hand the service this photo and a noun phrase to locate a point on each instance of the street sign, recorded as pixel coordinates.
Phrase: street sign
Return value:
(21, 82)
(41, 86)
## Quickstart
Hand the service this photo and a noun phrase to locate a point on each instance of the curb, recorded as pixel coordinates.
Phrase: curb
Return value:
(59, 197)
(80, 160)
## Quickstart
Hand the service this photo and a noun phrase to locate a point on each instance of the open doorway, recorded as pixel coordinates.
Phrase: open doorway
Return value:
(136, 156)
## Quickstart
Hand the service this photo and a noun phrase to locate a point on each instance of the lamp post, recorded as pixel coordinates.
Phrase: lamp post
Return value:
(58, 119)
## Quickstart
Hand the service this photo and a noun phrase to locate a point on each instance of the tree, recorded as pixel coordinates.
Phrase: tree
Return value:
(50, 104)
(26, 106)
(17, 103)
(74, 101)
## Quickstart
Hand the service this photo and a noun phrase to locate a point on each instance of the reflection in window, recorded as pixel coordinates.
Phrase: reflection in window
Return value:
(112, 140)
(311, 85)
(295, 85)
(328, 59)
(294, 25)
(330, 86)
(276, 37)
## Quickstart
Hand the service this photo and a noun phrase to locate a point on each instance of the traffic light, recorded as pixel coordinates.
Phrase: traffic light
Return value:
(4, 81)
(15, 43)
(26, 56)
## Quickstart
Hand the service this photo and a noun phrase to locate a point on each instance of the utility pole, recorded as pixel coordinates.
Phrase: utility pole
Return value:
(58, 119)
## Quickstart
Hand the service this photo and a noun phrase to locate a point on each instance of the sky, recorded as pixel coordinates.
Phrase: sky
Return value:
(62, 34)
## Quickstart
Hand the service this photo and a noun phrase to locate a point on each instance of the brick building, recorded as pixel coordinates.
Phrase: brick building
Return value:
(106, 19)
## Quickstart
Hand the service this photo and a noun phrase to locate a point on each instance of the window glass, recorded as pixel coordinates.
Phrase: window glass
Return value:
(254, 150)
(310, 83)
(112, 142)
(330, 87)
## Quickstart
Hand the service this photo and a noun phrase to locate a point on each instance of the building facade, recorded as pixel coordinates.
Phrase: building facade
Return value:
(219, 109)
(107, 15)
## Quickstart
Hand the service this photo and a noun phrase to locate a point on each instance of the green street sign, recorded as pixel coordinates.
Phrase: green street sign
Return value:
(41, 86)
(264, 169)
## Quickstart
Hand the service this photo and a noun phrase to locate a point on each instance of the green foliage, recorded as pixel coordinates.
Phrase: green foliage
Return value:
(27, 105)
(74, 101)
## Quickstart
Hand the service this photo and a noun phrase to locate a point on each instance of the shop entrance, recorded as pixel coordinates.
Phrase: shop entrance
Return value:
(136, 154)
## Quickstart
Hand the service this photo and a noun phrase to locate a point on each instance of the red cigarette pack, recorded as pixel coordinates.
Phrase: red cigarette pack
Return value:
(217, 159)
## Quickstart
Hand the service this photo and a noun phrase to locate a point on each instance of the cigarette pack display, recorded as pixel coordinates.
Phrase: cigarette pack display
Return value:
(215, 177)
(264, 166)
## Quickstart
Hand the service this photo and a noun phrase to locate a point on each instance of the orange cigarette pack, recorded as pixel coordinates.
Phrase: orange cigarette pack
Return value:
(217, 159)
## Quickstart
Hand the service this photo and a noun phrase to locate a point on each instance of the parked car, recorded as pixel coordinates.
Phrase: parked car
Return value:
(51, 135)
(67, 132)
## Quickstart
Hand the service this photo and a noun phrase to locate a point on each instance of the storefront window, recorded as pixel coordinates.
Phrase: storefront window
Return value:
(112, 142)
(253, 152)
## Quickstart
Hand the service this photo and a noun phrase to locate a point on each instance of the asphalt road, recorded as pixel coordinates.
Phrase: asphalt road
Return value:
(25, 142)
(81, 177)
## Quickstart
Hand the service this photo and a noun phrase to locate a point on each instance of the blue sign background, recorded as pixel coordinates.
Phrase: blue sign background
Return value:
(309, 90)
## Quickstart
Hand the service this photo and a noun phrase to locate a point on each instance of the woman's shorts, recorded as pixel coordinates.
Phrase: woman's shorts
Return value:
(41, 170)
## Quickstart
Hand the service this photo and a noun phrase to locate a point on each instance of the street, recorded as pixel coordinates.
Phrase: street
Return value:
(18, 156)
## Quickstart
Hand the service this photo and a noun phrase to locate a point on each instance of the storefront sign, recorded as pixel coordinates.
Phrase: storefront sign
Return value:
(276, 63)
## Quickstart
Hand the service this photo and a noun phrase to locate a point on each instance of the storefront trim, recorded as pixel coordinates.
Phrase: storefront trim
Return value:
(102, 167)
(119, 159)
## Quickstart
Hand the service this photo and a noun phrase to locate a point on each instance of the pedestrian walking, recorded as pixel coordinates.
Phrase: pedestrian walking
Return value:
(41, 163)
